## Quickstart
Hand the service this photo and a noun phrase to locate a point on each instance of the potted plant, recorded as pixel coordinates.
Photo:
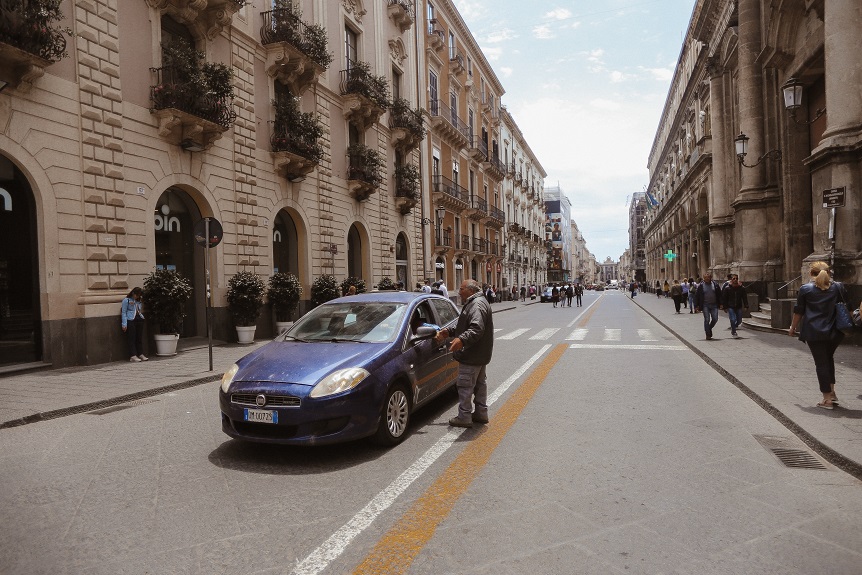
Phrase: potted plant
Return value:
(386, 284)
(323, 289)
(244, 299)
(165, 295)
(358, 283)
(283, 294)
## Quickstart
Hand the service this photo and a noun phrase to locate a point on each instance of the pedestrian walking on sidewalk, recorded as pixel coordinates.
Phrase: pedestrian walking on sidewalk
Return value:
(579, 292)
(692, 287)
(570, 293)
(684, 286)
(666, 289)
(472, 349)
(555, 294)
(707, 298)
(815, 309)
(132, 322)
(676, 294)
(523, 293)
(734, 298)
(657, 288)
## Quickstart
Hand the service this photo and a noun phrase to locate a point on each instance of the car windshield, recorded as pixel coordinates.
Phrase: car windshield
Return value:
(355, 321)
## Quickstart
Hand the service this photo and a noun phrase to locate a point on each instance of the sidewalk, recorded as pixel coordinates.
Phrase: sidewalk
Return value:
(777, 372)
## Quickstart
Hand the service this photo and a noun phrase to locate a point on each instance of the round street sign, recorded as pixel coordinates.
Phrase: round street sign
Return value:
(215, 230)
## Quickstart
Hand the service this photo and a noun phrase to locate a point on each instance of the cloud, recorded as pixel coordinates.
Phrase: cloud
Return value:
(543, 32)
(470, 10)
(660, 74)
(506, 72)
(605, 104)
(492, 54)
(558, 14)
(617, 77)
(501, 35)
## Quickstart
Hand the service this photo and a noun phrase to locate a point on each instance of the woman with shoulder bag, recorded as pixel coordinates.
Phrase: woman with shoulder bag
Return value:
(132, 322)
(815, 309)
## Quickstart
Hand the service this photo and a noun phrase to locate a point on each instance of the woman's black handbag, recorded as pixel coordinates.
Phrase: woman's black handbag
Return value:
(843, 319)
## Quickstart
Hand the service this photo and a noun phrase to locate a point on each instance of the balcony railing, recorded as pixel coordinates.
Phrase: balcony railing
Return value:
(402, 13)
(497, 214)
(478, 203)
(479, 149)
(456, 60)
(436, 35)
(463, 242)
(445, 240)
(479, 245)
(358, 80)
(186, 97)
(408, 123)
(27, 27)
(284, 25)
(457, 126)
(441, 184)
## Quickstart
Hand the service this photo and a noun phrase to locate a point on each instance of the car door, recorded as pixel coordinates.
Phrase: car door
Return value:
(428, 358)
(447, 316)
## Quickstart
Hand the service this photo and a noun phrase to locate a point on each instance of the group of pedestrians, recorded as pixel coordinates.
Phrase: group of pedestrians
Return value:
(562, 295)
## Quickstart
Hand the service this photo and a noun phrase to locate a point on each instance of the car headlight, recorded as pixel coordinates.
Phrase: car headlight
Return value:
(339, 381)
(228, 376)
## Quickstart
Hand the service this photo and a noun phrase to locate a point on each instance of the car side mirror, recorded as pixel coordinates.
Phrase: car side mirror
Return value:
(424, 332)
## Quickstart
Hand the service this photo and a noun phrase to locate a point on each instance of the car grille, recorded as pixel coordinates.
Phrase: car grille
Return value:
(250, 399)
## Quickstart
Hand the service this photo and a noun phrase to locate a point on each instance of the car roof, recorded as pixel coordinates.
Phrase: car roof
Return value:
(388, 296)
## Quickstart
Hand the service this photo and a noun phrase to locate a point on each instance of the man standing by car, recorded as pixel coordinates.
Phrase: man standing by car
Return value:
(471, 348)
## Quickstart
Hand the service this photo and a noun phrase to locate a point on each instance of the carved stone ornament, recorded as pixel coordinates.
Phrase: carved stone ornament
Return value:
(397, 51)
(356, 8)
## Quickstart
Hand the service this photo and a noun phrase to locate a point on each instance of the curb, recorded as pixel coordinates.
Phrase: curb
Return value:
(840, 461)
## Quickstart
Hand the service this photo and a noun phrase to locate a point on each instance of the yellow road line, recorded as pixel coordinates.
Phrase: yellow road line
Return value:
(395, 551)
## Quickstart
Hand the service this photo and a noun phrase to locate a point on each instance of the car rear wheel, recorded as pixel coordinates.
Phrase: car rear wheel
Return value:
(395, 417)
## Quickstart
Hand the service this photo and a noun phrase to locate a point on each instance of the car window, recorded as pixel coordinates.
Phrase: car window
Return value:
(365, 322)
(446, 310)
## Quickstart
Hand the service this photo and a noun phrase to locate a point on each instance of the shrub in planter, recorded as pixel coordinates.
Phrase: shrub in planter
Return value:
(323, 289)
(386, 284)
(245, 297)
(165, 295)
(283, 294)
(352, 281)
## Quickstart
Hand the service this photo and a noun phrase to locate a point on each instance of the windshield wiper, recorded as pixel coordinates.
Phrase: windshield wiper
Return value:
(299, 339)
(342, 340)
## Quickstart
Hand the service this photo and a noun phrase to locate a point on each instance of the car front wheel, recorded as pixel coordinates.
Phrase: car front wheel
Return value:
(395, 417)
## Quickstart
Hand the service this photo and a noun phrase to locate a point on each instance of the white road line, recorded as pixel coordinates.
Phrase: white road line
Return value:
(546, 333)
(515, 333)
(320, 558)
(582, 312)
(625, 346)
(613, 335)
(646, 335)
(579, 334)
(496, 329)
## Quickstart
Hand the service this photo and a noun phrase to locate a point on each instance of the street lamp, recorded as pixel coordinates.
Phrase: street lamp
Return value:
(792, 90)
(741, 143)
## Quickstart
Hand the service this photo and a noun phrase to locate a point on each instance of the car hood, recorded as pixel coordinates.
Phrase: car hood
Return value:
(305, 363)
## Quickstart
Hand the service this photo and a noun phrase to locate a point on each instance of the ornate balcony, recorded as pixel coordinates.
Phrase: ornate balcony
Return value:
(295, 52)
(443, 241)
(366, 97)
(436, 36)
(457, 62)
(446, 123)
(407, 127)
(28, 42)
(446, 192)
(496, 217)
(295, 147)
(478, 149)
(364, 171)
(477, 208)
(406, 188)
(401, 12)
(207, 17)
(185, 114)
(494, 168)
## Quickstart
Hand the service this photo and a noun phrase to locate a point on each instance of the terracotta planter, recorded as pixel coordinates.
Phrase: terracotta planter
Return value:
(166, 343)
(245, 334)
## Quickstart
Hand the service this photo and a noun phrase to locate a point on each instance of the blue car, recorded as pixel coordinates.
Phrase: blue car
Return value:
(353, 367)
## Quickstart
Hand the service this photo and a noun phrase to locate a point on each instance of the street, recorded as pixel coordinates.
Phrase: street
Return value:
(612, 448)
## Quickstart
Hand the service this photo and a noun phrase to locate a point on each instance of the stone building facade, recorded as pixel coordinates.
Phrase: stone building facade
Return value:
(107, 160)
(760, 215)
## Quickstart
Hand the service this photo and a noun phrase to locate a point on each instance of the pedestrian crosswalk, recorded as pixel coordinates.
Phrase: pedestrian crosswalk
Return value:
(597, 338)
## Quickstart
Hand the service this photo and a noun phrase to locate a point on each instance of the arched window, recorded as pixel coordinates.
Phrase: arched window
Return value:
(354, 253)
(401, 263)
(285, 245)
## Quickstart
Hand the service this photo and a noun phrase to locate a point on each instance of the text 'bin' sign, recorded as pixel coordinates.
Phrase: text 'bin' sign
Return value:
(833, 198)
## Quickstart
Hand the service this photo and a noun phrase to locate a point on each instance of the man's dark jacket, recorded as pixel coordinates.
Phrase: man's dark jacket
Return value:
(698, 295)
(734, 297)
(475, 328)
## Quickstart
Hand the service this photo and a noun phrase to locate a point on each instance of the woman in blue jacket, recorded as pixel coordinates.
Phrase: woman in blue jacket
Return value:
(815, 308)
(132, 319)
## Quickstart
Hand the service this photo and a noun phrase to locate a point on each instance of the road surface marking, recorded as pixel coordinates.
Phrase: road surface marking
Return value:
(334, 546)
(546, 333)
(646, 335)
(395, 551)
(579, 334)
(613, 335)
(515, 333)
(626, 346)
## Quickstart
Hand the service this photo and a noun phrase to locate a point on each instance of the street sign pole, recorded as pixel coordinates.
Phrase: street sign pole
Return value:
(833, 213)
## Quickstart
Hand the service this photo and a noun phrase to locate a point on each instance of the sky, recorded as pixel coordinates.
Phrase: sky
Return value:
(586, 83)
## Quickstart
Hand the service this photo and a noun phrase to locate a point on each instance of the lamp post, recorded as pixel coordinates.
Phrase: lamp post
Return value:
(741, 143)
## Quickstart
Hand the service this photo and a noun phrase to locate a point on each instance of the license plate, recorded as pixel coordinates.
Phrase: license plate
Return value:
(261, 415)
